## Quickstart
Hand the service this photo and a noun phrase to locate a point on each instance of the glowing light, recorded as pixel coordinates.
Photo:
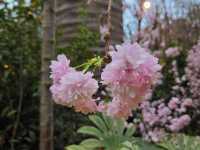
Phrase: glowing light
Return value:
(6, 66)
(147, 5)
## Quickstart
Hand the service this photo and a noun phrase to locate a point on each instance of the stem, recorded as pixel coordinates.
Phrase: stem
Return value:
(19, 108)
(108, 37)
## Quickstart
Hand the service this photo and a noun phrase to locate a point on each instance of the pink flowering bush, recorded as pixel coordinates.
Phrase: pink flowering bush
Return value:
(159, 117)
(193, 71)
(128, 77)
(172, 52)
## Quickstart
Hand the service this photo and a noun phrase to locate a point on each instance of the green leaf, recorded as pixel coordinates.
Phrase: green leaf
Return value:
(99, 122)
(128, 144)
(181, 142)
(91, 143)
(11, 113)
(130, 131)
(143, 145)
(119, 126)
(90, 131)
(108, 121)
(75, 147)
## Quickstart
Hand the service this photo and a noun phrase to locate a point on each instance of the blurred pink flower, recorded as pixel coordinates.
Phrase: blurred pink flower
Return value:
(187, 102)
(172, 52)
(179, 123)
(193, 73)
(173, 103)
(163, 112)
(156, 134)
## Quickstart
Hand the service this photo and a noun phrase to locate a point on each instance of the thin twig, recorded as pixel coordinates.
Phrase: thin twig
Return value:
(109, 25)
(19, 108)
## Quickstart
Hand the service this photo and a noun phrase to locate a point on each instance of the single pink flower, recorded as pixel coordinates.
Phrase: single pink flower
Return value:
(173, 103)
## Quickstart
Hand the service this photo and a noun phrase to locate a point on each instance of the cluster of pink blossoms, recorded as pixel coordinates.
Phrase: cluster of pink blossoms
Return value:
(193, 72)
(172, 52)
(158, 117)
(72, 88)
(129, 78)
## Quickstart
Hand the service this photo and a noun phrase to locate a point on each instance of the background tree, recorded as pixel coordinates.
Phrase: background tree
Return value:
(48, 50)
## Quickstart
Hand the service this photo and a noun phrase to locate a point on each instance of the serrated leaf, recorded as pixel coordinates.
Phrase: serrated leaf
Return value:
(90, 131)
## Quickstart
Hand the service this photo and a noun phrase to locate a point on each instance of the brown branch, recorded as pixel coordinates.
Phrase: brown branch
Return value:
(109, 25)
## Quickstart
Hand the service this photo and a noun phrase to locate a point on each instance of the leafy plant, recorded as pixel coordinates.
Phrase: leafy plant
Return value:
(181, 142)
(111, 134)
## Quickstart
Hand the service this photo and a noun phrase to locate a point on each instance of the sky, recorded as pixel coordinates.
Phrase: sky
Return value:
(173, 11)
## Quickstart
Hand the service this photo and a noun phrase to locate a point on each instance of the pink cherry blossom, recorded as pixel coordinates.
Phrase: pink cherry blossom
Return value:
(72, 88)
(130, 75)
(87, 106)
(59, 68)
(118, 109)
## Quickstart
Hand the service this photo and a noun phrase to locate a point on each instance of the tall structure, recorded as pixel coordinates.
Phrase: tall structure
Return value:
(68, 18)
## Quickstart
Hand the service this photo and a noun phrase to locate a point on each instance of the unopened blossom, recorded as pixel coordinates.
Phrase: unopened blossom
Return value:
(104, 30)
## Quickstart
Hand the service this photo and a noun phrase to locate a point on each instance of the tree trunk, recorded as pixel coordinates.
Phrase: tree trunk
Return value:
(48, 50)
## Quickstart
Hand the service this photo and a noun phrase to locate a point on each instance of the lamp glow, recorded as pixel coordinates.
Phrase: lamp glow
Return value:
(147, 4)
